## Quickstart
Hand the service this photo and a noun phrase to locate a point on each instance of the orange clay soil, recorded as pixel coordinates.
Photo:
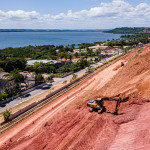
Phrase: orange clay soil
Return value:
(66, 123)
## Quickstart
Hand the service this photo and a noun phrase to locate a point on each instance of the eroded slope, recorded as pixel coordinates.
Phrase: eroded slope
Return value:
(75, 128)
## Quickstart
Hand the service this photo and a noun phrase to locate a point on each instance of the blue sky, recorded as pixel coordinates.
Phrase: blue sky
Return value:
(56, 6)
(74, 14)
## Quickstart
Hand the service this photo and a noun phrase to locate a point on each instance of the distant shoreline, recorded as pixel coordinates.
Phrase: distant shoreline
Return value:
(53, 30)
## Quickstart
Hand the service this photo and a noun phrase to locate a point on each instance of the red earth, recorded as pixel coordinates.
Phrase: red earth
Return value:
(66, 123)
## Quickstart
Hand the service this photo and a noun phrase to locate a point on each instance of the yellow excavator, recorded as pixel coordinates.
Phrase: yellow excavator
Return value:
(98, 104)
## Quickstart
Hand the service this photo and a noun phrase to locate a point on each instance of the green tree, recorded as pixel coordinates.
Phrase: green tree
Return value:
(39, 68)
(70, 57)
(52, 69)
(38, 78)
(76, 54)
(8, 92)
(16, 77)
(61, 55)
(97, 52)
(66, 55)
(29, 68)
(3, 96)
(14, 63)
(74, 77)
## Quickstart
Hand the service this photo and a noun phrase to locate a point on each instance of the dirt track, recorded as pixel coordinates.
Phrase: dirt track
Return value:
(67, 124)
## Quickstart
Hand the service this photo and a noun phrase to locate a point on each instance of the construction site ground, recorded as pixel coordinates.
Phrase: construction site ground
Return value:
(66, 123)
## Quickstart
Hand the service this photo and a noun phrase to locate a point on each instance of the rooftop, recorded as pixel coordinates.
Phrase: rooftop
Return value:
(31, 62)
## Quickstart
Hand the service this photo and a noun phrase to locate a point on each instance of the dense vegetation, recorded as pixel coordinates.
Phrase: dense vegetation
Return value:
(9, 64)
(41, 52)
(85, 45)
(130, 40)
(12, 58)
(34, 52)
(128, 30)
(58, 68)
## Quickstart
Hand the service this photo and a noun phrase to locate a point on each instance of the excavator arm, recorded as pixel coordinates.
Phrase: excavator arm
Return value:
(118, 99)
(118, 104)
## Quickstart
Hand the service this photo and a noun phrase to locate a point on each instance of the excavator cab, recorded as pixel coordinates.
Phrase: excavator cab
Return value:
(98, 104)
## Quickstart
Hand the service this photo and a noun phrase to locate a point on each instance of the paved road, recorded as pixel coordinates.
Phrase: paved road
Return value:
(47, 87)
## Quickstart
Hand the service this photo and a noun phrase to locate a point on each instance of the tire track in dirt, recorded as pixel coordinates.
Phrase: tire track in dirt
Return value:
(61, 105)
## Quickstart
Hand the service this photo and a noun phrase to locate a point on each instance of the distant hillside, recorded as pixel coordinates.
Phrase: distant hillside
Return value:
(51, 30)
(128, 30)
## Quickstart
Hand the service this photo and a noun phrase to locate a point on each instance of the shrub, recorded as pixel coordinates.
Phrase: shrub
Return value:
(139, 51)
(8, 92)
(6, 115)
(3, 96)
(74, 77)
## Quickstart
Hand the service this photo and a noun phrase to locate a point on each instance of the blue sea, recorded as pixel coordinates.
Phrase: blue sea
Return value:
(20, 39)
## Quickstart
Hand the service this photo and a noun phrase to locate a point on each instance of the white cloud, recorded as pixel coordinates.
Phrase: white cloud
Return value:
(106, 15)
(19, 15)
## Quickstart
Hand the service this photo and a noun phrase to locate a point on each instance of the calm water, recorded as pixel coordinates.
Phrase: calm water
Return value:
(19, 39)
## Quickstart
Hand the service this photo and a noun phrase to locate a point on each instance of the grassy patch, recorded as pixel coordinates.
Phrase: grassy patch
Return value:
(132, 58)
